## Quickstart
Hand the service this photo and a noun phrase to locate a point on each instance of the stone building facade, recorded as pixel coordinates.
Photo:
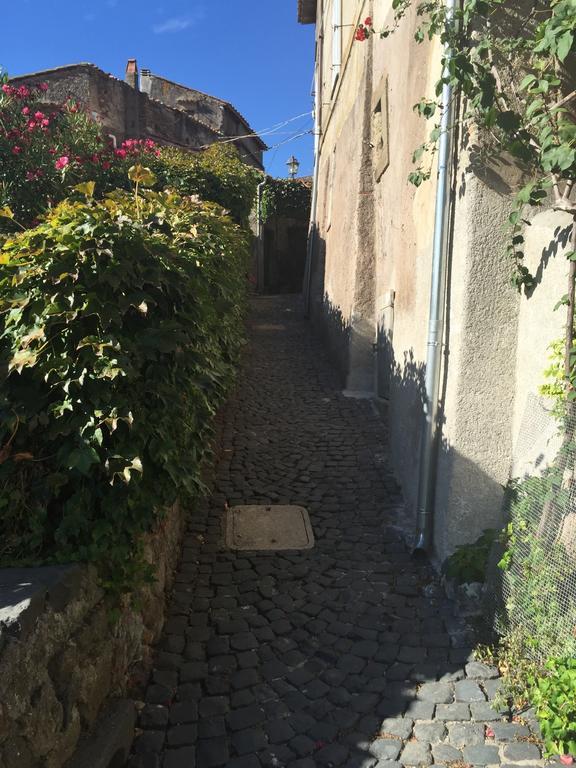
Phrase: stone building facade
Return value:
(145, 106)
(370, 266)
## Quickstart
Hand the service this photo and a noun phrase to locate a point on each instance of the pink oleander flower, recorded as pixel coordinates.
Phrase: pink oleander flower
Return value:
(8, 89)
(106, 165)
(16, 150)
(121, 153)
(62, 162)
(45, 123)
(39, 115)
(23, 92)
(25, 110)
(43, 87)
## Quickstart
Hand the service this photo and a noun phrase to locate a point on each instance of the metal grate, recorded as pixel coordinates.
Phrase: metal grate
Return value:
(536, 583)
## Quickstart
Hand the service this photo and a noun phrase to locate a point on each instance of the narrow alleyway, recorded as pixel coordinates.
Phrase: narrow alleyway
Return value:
(340, 655)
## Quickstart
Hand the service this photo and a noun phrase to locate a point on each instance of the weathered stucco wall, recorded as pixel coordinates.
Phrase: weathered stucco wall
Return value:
(64, 652)
(372, 268)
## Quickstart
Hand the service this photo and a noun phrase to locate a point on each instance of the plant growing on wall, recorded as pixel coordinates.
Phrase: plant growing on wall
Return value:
(121, 322)
(518, 102)
(286, 197)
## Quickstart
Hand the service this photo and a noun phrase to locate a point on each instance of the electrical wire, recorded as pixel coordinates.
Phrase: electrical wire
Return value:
(258, 134)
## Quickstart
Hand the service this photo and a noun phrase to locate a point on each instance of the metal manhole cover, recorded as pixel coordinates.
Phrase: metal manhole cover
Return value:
(268, 527)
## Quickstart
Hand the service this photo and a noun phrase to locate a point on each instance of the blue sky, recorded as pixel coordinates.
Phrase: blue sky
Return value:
(251, 52)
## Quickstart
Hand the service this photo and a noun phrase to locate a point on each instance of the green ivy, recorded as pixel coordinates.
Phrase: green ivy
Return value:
(121, 324)
(217, 174)
(286, 197)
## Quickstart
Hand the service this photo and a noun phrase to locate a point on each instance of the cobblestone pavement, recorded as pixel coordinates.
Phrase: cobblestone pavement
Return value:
(342, 655)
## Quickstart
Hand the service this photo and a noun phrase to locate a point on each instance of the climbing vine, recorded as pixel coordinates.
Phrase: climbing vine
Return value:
(513, 65)
(286, 197)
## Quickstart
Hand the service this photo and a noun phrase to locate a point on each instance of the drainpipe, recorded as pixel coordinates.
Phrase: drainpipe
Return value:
(259, 237)
(428, 451)
(312, 229)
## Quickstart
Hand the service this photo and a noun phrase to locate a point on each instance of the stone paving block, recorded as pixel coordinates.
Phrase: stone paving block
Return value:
(184, 712)
(483, 711)
(462, 735)
(416, 753)
(509, 732)
(397, 726)
(386, 749)
(331, 755)
(446, 753)
(249, 741)
(468, 691)
(211, 753)
(456, 711)
(420, 710)
(482, 754)
(185, 757)
(480, 671)
(436, 693)
(154, 716)
(429, 732)
(521, 752)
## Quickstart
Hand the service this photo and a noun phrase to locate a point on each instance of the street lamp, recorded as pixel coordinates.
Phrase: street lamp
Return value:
(293, 165)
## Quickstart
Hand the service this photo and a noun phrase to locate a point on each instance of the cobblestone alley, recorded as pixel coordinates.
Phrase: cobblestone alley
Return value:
(341, 655)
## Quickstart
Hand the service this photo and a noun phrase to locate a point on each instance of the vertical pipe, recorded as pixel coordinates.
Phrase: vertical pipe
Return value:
(259, 238)
(312, 229)
(428, 448)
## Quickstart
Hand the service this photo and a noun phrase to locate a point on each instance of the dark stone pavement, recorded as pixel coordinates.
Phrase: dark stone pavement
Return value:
(342, 655)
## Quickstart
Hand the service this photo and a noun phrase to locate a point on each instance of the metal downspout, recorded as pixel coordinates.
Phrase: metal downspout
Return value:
(428, 450)
(312, 229)
(259, 238)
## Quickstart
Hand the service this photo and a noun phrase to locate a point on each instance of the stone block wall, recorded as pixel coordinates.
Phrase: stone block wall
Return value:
(65, 652)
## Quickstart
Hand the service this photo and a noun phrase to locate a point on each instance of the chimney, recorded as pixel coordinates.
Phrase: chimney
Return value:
(146, 81)
(131, 76)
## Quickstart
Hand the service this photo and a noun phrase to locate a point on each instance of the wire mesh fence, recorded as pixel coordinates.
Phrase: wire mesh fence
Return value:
(533, 575)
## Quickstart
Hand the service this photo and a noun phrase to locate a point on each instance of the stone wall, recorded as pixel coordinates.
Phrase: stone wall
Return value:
(157, 114)
(66, 653)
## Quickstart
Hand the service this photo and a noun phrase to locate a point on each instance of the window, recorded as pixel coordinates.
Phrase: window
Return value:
(336, 40)
(380, 129)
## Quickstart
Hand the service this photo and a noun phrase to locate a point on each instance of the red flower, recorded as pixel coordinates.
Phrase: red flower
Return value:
(368, 21)
(16, 150)
(62, 162)
(121, 153)
(43, 87)
(39, 115)
(25, 110)
(106, 165)
(361, 34)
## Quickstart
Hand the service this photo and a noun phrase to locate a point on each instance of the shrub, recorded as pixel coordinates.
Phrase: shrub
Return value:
(121, 325)
(470, 561)
(555, 699)
(45, 154)
(287, 197)
(217, 174)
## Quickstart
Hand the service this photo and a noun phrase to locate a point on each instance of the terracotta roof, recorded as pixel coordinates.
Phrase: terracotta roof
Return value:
(307, 11)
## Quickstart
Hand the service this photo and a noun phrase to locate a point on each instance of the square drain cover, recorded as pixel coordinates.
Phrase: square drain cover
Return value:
(268, 527)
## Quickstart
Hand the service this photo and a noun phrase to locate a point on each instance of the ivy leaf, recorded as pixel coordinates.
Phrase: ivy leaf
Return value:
(564, 44)
(82, 459)
(6, 212)
(87, 188)
(141, 175)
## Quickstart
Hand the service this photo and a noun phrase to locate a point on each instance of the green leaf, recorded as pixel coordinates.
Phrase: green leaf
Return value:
(141, 175)
(82, 459)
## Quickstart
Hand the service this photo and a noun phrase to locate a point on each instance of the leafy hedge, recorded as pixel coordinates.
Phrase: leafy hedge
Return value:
(287, 197)
(217, 174)
(45, 153)
(121, 326)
